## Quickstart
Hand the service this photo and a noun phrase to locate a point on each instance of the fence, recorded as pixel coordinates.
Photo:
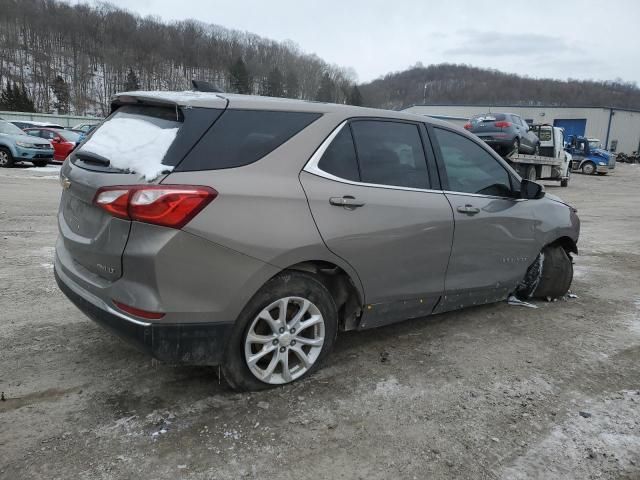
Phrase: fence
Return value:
(64, 120)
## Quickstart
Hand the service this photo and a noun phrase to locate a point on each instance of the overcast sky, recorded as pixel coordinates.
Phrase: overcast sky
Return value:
(559, 39)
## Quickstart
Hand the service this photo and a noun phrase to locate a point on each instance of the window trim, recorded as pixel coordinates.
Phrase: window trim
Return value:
(443, 172)
(312, 164)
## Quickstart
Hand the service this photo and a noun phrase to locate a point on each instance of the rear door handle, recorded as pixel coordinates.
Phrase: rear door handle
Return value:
(346, 201)
(469, 209)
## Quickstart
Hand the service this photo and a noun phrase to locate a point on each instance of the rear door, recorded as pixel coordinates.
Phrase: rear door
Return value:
(136, 144)
(371, 195)
(494, 240)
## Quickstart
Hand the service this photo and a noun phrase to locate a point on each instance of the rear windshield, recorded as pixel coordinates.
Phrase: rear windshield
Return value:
(544, 134)
(241, 137)
(136, 139)
(488, 117)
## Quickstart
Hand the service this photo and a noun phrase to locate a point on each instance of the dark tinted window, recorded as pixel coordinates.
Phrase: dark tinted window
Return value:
(390, 153)
(339, 158)
(241, 137)
(470, 168)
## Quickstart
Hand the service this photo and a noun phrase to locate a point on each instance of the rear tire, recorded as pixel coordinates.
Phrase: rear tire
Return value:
(564, 182)
(515, 148)
(557, 273)
(6, 159)
(293, 286)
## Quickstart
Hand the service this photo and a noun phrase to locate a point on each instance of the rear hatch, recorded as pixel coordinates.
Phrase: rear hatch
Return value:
(139, 143)
(487, 123)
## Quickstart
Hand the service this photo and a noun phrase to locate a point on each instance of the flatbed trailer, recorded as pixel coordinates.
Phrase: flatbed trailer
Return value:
(553, 164)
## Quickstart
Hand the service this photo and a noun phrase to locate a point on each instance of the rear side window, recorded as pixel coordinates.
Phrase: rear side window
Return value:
(390, 153)
(241, 137)
(339, 159)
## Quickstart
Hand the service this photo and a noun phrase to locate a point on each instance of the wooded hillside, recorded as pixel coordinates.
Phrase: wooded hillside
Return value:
(72, 58)
(462, 84)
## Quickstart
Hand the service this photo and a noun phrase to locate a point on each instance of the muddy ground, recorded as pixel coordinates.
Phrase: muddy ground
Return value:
(492, 392)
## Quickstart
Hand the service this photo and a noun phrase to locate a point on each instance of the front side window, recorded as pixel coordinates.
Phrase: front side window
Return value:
(339, 159)
(470, 168)
(390, 153)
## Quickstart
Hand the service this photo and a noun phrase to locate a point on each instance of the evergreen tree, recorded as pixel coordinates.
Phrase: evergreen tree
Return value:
(61, 91)
(132, 82)
(355, 97)
(326, 92)
(7, 99)
(275, 83)
(240, 77)
(292, 86)
(24, 102)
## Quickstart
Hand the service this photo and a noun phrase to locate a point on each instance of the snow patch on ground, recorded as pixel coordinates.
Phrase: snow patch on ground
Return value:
(601, 440)
(133, 144)
(47, 169)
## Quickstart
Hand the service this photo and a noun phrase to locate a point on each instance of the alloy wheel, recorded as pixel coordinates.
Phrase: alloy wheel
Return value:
(4, 158)
(284, 340)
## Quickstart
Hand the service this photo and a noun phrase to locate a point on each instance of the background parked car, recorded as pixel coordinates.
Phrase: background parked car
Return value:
(84, 131)
(15, 146)
(84, 127)
(63, 141)
(505, 132)
(29, 124)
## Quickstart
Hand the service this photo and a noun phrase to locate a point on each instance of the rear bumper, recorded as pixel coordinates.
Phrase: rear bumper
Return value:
(197, 344)
(497, 141)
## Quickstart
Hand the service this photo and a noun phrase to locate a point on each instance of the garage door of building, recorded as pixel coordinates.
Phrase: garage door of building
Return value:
(572, 126)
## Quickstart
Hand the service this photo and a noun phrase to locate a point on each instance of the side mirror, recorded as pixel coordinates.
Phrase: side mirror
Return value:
(531, 190)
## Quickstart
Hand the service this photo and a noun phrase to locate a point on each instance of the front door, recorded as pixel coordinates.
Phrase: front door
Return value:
(494, 239)
(376, 210)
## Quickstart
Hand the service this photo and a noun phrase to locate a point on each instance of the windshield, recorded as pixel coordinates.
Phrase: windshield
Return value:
(594, 143)
(10, 129)
(487, 117)
(69, 135)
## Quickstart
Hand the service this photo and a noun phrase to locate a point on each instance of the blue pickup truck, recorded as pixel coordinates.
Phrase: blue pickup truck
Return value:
(588, 157)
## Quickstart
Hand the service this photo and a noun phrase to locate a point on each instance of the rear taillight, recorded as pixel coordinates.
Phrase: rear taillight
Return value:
(502, 124)
(138, 312)
(467, 126)
(166, 205)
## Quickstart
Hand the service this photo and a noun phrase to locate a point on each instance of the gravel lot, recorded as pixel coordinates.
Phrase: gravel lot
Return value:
(497, 391)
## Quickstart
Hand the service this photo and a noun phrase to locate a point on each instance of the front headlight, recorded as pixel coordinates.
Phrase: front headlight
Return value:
(25, 144)
(602, 163)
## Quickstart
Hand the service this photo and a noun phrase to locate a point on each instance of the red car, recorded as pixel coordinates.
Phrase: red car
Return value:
(63, 141)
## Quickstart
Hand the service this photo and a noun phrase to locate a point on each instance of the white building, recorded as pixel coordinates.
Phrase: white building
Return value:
(617, 128)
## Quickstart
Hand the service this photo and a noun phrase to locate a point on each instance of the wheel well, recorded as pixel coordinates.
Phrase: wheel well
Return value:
(341, 287)
(567, 243)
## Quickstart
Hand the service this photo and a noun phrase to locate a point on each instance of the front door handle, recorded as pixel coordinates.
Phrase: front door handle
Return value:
(346, 201)
(469, 209)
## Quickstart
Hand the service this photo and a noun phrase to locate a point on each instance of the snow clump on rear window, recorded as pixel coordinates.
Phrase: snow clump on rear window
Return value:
(134, 143)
